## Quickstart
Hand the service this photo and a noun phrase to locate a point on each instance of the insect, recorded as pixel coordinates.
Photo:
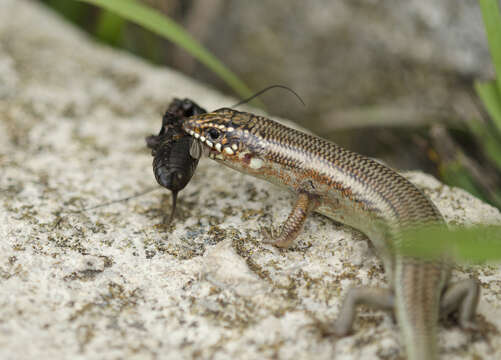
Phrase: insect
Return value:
(175, 154)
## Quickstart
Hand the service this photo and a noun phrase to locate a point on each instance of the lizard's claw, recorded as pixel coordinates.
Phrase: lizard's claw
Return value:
(328, 330)
(338, 330)
(269, 234)
(277, 237)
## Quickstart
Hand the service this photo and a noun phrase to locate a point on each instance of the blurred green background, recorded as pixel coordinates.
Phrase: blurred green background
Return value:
(412, 84)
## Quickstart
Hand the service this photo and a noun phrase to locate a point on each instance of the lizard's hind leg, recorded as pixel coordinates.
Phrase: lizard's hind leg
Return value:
(375, 297)
(461, 296)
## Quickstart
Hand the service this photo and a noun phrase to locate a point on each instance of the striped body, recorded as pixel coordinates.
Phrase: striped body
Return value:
(349, 188)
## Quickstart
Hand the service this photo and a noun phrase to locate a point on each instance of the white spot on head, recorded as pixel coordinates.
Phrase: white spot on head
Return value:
(255, 163)
(228, 150)
(234, 147)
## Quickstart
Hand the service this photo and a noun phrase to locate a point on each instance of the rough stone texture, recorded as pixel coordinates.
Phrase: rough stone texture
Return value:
(111, 283)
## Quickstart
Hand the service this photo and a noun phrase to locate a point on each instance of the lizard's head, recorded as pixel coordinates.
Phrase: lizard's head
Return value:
(229, 134)
(240, 140)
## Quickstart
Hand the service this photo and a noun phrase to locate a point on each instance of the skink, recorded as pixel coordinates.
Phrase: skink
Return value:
(356, 191)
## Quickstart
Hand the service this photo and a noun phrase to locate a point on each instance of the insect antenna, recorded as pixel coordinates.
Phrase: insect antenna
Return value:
(144, 192)
(63, 214)
(260, 92)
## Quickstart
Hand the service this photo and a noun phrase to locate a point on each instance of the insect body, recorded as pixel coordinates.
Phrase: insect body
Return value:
(175, 154)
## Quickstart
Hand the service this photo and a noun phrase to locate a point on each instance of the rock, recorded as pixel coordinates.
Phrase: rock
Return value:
(110, 282)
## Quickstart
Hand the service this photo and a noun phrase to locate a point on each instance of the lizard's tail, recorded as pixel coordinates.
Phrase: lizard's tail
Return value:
(417, 293)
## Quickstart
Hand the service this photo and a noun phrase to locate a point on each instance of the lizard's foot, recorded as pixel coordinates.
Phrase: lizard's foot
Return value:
(462, 297)
(273, 237)
(468, 325)
(339, 329)
(375, 297)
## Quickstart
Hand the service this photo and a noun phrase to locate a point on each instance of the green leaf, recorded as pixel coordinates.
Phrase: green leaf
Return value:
(491, 97)
(492, 21)
(109, 27)
(160, 24)
(488, 140)
(453, 173)
(476, 244)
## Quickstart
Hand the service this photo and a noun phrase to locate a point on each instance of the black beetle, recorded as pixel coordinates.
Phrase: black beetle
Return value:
(175, 154)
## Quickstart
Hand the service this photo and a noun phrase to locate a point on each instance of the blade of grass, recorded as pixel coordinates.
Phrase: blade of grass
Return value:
(491, 97)
(160, 24)
(109, 27)
(453, 173)
(476, 244)
(492, 21)
(488, 140)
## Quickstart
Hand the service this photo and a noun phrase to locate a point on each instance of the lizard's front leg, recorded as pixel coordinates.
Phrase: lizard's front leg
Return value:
(291, 228)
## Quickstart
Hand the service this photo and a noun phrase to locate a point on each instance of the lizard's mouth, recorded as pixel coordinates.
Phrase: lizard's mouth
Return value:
(215, 150)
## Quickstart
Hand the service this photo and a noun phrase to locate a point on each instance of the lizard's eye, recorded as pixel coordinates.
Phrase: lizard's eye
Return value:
(214, 134)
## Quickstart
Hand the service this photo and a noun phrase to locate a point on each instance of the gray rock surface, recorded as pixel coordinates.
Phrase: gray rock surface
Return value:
(111, 282)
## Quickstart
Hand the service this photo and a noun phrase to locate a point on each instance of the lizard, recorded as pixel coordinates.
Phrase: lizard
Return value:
(359, 192)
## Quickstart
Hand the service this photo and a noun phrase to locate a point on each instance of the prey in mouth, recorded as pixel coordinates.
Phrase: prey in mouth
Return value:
(221, 138)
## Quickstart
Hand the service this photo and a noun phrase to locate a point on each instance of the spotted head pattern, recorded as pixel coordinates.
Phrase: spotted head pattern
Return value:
(225, 131)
